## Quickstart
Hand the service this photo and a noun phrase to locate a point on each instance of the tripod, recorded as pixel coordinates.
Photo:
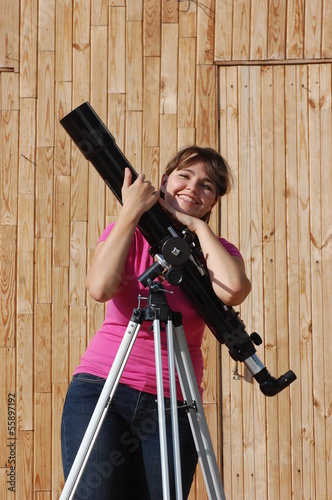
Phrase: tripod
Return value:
(158, 312)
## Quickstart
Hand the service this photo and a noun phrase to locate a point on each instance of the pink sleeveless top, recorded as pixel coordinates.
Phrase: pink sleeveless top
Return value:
(140, 371)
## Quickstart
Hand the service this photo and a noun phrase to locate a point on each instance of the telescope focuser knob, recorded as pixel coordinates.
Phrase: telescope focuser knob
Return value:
(256, 338)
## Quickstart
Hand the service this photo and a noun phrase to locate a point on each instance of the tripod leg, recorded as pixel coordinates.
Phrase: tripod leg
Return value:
(174, 410)
(100, 411)
(161, 411)
(196, 417)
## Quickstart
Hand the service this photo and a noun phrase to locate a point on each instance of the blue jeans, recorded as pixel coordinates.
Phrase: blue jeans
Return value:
(125, 460)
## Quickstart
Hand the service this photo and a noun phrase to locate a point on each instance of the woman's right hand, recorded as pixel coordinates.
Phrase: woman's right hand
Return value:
(138, 197)
(105, 274)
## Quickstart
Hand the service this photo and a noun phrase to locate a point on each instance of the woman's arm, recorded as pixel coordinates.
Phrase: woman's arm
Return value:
(227, 273)
(105, 273)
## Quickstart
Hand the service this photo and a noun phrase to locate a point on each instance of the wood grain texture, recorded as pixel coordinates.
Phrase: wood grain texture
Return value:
(252, 79)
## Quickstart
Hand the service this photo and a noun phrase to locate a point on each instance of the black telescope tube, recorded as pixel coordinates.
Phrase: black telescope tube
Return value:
(98, 146)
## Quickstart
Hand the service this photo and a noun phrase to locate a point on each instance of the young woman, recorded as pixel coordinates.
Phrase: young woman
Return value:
(125, 460)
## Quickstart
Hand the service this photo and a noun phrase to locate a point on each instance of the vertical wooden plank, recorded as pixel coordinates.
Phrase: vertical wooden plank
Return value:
(45, 105)
(77, 268)
(77, 337)
(43, 442)
(151, 101)
(186, 83)
(99, 70)
(134, 10)
(27, 142)
(134, 139)
(61, 220)
(134, 66)
(99, 12)
(24, 381)
(326, 189)
(170, 11)
(116, 117)
(169, 69)
(206, 112)
(44, 192)
(9, 90)
(24, 484)
(258, 29)
(117, 126)
(60, 321)
(9, 167)
(117, 50)
(46, 25)
(151, 161)
(81, 73)
(96, 206)
(81, 22)
(305, 324)
(269, 285)
(295, 29)
(313, 29)
(152, 28)
(315, 165)
(8, 276)
(28, 48)
(281, 298)
(25, 252)
(225, 102)
(8, 404)
(244, 229)
(43, 270)
(79, 165)
(42, 348)
(255, 431)
(168, 138)
(58, 398)
(327, 29)
(9, 41)
(205, 33)
(210, 352)
(276, 30)
(186, 136)
(292, 276)
(188, 20)
(223, 31)
(63, 41)
(241, 29)
(62, 142)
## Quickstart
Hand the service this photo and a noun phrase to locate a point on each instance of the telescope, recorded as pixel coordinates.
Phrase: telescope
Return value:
(175, 246)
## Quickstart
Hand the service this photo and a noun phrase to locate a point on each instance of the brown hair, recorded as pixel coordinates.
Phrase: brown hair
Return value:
(216, 166)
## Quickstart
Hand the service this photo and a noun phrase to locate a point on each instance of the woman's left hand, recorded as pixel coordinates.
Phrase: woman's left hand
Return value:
(186, 220)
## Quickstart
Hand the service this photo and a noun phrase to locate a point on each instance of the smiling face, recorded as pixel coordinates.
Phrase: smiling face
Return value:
(190, 190)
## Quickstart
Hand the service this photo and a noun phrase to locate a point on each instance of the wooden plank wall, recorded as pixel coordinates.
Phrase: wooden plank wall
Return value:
(251, 78)
(275, 82)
